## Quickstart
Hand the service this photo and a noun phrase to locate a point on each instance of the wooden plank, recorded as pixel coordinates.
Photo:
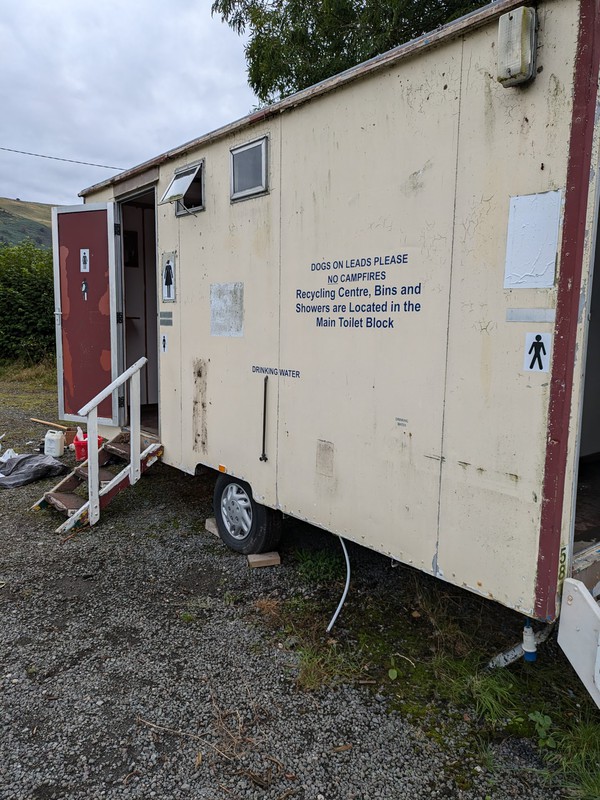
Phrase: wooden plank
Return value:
(120, 449)
(66, 484)
(39, 504)
(50, 424)
(78, 520)
(65, 501)
(103, 473)
(264, 560)
(151, 455)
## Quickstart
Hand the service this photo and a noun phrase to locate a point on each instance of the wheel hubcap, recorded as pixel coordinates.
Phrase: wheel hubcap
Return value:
(236, 510)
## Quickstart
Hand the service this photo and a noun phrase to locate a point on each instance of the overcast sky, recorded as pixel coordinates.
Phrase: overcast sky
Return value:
(112, 82)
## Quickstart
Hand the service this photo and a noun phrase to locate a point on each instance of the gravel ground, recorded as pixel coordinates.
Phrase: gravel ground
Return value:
(133, 664)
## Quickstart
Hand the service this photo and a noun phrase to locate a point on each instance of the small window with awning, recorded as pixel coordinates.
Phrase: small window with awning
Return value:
(186, 189)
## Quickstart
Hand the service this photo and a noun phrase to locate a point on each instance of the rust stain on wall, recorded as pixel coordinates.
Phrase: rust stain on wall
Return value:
(104, 303)
(105, 360)
(68, 382)
(200, 427)
(324, 460)
(65, 301)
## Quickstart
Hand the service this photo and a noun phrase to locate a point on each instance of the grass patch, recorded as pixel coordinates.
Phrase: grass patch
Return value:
(325, 663)
(466, 682)
(299, 624)
(41, 376)
(320, 566)
(32, 390)
(577, 756)
(426, 646)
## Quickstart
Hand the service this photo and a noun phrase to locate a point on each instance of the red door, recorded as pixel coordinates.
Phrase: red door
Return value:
(86, 308)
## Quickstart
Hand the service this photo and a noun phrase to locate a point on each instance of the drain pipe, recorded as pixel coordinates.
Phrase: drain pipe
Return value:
(341, 603)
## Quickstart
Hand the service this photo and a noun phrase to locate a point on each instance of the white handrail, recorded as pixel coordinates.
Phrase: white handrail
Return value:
(124, 376)
(90, 410)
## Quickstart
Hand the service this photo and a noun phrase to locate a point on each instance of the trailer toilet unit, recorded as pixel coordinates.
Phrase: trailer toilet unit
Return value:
(370, 306)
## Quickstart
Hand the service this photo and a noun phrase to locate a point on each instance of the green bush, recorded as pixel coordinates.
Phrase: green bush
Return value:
(26, 303)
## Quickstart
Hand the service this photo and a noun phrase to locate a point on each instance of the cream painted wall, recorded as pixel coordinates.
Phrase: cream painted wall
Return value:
(496, 414)
(424, 439)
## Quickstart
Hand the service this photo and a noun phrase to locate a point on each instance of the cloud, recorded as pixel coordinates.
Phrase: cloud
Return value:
(113, 83)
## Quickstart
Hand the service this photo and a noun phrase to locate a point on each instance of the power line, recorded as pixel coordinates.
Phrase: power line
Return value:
(55, 158)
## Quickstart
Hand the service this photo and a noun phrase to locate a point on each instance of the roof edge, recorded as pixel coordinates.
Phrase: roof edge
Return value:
(447, 32)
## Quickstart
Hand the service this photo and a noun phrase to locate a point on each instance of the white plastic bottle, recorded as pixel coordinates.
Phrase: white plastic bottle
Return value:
(54, 443)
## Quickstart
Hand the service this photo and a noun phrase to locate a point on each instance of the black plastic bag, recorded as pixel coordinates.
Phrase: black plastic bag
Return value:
(28, 468)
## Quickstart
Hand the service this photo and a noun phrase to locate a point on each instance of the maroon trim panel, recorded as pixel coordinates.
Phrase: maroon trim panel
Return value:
(567, 307)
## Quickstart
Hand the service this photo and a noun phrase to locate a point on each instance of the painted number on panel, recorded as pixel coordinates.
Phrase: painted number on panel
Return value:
(84, 260)
(538, 347)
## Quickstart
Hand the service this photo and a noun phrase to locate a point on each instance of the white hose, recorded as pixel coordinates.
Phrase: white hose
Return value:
(341, 603)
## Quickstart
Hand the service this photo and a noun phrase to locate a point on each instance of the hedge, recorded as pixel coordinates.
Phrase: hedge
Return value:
(26, 303)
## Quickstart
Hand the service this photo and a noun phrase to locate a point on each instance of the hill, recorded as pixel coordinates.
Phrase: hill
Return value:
(20, 220)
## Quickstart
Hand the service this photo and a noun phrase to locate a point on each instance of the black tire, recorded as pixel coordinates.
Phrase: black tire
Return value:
(243, 524)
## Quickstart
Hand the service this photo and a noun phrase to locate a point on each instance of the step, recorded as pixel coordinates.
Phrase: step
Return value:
(118, 448)
(104, 475)
(586, 567)
(77, 508)
(65, 501)
(122, 449)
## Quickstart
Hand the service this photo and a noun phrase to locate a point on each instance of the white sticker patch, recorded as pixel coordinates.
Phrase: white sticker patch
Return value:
(532, 241)
(227, 309)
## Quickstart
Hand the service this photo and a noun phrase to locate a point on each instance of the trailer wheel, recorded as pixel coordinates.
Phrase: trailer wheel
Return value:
(244, 525)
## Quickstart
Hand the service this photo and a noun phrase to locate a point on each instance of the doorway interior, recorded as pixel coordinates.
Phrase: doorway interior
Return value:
(139, 299)
(587, 513)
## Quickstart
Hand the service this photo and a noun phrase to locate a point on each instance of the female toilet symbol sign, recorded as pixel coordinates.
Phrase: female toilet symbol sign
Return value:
(168, 277)
(538, 348)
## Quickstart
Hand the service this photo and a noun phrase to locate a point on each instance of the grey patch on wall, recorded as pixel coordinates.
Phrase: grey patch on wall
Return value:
(200, 402)
(227, 309)
(325, 452)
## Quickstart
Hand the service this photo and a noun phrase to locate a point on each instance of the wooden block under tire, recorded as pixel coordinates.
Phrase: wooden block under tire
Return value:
(211, 526)
(264, 560)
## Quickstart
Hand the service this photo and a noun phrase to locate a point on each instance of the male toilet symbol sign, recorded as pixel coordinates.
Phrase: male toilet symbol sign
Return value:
(164, 343)
(538, 347)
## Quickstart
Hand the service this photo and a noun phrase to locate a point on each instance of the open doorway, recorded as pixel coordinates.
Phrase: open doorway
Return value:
(140, 337)
(587, 514)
